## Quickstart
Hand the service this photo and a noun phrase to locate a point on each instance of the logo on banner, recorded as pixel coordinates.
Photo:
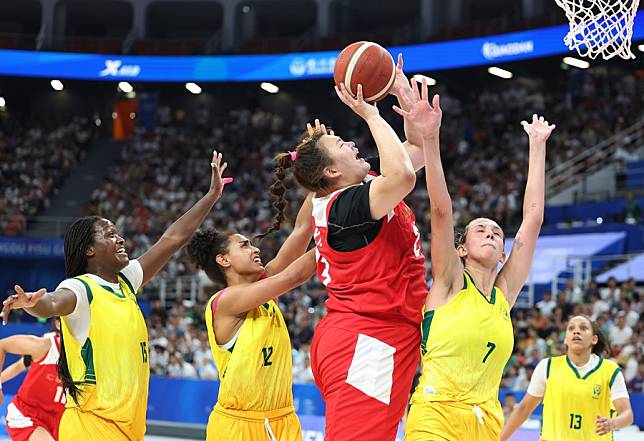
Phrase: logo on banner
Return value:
(492, 50)
(312, 66)
(116, 68)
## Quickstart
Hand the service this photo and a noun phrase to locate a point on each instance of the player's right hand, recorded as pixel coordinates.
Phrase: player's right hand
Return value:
(358, 104)
(20, 300)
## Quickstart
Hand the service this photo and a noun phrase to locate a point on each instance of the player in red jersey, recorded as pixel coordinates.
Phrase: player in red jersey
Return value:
(35, 412)
(365, 350)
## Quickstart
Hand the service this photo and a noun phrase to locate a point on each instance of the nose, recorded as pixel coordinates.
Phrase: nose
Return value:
(120, 240)
(254, 249)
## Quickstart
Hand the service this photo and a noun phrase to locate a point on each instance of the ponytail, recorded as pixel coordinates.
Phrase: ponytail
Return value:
(277, 191)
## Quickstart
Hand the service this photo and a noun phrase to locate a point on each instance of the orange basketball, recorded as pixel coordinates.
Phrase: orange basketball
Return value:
(368, 64)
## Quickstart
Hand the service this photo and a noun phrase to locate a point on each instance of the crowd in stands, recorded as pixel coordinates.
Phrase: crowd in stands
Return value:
(35, 159)
(485, 156)
(165, 169)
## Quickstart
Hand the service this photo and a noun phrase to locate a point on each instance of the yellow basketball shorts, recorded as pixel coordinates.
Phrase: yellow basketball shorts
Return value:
(451, 421)
(239, 425)
(77, 425)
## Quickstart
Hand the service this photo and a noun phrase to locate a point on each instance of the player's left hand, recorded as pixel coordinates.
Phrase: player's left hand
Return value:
(538, 129)
(603, 425)
(424, 118)
(217, 181)
(401, 83)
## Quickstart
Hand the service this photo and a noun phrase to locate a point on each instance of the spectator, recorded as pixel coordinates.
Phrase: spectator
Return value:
(612, 292)
(636, 384)
(620, 333)
(509, 403)
(632, 210)
(207, 370)
(547, 305)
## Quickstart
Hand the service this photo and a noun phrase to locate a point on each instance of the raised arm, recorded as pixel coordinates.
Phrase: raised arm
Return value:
(446, 265)
(236, 300)
(296, 243)
(515, 272)
(398, 177)
(403, 92)
(180, 232)
(519, 415)
(40, 303)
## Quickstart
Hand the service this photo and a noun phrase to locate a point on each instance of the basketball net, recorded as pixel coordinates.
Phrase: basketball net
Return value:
(600, 27)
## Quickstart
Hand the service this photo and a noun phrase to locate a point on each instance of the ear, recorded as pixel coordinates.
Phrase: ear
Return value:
(222, 260)
(90, 251)
(462, 251)
(595, 339)
(502, 259)
(331, 172)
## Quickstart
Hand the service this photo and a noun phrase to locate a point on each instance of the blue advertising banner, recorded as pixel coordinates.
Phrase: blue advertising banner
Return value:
(294, 66)
(31, 247)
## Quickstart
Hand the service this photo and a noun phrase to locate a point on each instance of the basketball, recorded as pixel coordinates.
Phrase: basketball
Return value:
(368, 64)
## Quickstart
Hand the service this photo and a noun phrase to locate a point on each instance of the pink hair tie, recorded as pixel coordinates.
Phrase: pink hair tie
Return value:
(293, 155)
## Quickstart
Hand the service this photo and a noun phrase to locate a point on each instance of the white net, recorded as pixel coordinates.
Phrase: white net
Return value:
(600, 27)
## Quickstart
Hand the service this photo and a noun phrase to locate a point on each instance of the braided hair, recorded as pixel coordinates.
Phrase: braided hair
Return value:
(79, 236)
(308, 170)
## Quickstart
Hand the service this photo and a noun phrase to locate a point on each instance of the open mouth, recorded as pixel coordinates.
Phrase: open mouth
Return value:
(121, 251)
(257, 259)
(576, 339)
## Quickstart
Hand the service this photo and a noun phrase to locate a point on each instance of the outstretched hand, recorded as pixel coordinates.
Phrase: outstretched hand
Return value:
(401, 83)
(217, 182)
(318, 128)
(422, 117)
(538, 129)
(357, 104)
(20, 300)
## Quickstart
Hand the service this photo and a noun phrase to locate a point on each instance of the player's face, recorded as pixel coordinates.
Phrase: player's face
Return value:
(108, 248)
(346, 164)
(484, 242)
(244, 258)
(580, 335)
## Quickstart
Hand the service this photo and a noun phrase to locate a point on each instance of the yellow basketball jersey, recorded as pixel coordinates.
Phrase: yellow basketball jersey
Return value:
(112, 364)
(572, 402)
(255, 374)
(465, 346)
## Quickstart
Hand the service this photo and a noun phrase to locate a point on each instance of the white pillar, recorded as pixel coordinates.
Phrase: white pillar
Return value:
(323, 18)
(46, 33)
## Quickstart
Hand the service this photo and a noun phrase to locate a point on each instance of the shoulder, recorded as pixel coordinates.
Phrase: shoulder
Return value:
(132, 275)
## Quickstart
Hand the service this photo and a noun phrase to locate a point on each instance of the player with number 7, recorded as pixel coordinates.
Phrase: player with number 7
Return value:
(467, 335)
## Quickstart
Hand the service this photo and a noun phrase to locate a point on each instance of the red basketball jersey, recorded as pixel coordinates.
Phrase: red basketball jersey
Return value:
(41, 388)
(384, 279)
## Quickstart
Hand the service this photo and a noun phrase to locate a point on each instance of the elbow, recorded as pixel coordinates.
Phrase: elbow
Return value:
(408, 179)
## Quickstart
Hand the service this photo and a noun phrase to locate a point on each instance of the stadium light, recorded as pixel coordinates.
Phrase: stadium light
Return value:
(497, 71)
(641, 47)
(125, 87)
(430, 80)
(56, 85)
(193, 88)
(3, 103)
(269, 87)
(576, 62)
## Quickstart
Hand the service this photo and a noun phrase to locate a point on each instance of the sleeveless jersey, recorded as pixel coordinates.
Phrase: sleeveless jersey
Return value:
(256, 373)
(384, 279)
(112, 364)
(41, 388)
(572, 402)
(465, 346)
